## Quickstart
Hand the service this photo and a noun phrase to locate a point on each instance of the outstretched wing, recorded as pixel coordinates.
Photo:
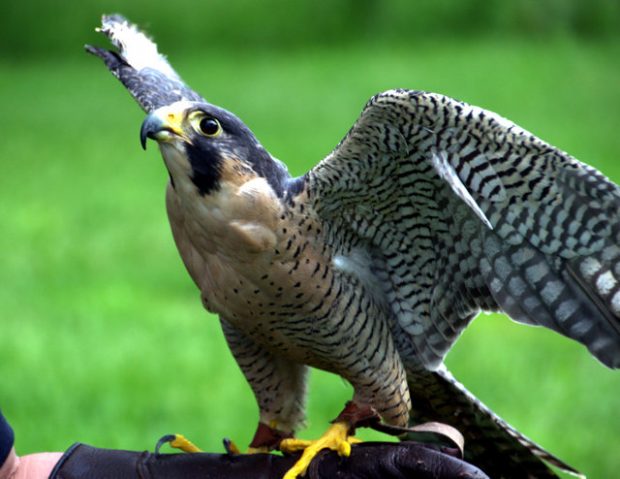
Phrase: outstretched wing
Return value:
(461, 210)
(146, 73)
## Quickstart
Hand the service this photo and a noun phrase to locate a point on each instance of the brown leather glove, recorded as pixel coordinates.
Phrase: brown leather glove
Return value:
(367, 460)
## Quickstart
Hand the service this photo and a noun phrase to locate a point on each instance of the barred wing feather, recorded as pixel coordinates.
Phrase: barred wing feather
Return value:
(463, 211)
(146, 73)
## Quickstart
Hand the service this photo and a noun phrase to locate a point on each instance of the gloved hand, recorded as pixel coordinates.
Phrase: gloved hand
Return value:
(367, 460)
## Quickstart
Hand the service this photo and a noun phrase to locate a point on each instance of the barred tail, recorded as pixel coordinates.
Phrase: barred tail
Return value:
(490, 443)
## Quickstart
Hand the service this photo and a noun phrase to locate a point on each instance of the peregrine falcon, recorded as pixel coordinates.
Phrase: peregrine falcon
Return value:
(370, 265)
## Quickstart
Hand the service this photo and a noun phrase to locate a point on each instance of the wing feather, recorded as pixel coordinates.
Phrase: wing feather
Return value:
(447, 173)
(146, 73)
(464, 211)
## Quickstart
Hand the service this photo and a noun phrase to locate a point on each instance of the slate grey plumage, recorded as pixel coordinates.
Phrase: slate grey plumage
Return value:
(373, 263)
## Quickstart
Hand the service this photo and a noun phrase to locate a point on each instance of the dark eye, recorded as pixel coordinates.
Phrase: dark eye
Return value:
(210, 126)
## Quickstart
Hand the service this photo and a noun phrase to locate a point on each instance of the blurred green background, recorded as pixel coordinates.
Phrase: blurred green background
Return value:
(102, 335)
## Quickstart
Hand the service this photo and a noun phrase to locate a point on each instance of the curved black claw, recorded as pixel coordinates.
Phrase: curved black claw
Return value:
(167, 439)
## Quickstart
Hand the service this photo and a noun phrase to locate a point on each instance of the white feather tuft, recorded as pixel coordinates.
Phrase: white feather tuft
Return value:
(135, 47)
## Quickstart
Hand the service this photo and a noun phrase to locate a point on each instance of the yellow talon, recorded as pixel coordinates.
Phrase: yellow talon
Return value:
(335, 438)
(185, 445)
(292, 445)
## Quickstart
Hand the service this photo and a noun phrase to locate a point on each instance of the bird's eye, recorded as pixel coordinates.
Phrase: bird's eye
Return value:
(206, 125)
(210, 126)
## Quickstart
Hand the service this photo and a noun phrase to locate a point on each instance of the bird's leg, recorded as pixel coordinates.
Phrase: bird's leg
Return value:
(338, 437)
(267, 438)
(278, 384)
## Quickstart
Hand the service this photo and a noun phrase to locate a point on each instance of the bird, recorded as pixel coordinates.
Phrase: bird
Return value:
(371, 264)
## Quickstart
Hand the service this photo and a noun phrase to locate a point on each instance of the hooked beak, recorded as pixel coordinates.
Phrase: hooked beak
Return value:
(163, 125)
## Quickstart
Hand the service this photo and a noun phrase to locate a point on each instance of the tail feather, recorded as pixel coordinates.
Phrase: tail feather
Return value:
(490, 443)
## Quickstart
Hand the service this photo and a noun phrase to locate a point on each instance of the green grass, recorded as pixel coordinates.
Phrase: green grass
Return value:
(103, 338)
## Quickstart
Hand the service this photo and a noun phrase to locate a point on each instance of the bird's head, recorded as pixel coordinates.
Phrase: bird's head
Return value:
(208, 145)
